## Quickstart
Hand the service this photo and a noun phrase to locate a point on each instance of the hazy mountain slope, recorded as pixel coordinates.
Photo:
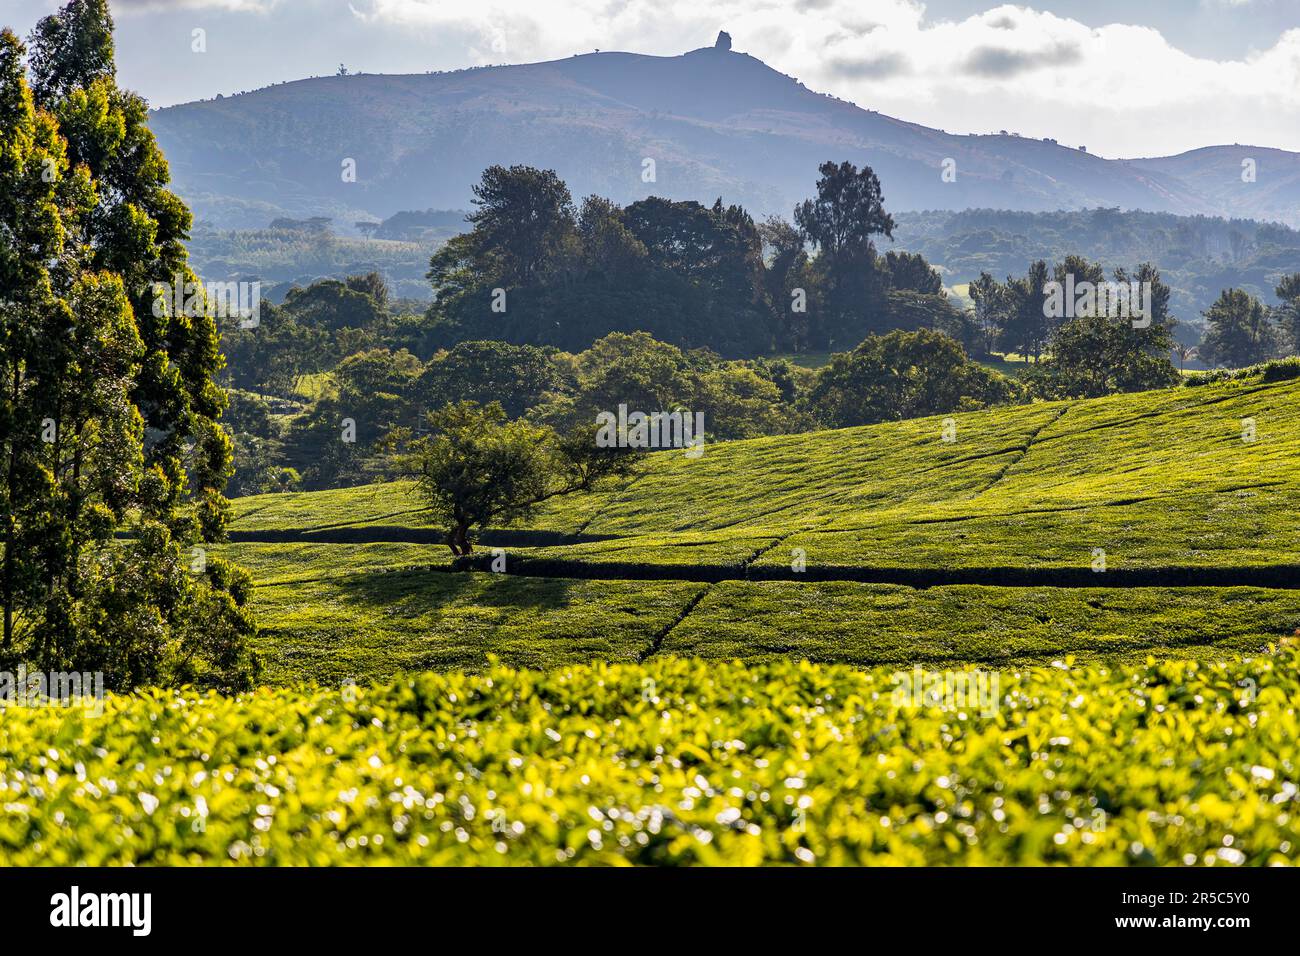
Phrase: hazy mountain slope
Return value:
(1215, 173)
(715, 122)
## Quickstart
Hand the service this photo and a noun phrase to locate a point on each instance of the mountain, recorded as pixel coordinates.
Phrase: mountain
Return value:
(715, 122)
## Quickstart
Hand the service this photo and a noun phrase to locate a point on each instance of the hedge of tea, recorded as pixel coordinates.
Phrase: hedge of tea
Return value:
(676, 761)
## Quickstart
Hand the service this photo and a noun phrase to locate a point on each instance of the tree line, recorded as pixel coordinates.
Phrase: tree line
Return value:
(537, 269)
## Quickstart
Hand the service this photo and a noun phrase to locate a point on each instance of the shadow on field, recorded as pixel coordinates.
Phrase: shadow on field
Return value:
(413, 593)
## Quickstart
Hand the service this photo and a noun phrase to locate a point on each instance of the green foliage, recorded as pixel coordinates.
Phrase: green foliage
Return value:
(386, 392)
(1093, 356)
(1239, 331)
(108, 408)
(904, 375)
(688, 274)
(840, 223)
(780, 763)
(516, 376)
(683, 272)
(909, 272)
(72, 49)
(478, 468)
(1198, 256)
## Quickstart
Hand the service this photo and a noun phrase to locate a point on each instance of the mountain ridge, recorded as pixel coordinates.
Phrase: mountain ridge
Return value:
(715, 122)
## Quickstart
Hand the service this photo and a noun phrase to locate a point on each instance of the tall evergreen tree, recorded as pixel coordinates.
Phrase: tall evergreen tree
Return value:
(108, 408)
(137, 230)
(841, 222)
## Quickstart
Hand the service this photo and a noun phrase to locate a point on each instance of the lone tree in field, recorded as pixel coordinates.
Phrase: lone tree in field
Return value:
(108, 410)
(479, 469)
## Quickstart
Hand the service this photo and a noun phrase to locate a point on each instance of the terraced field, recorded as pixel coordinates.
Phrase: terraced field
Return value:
(1162, 523)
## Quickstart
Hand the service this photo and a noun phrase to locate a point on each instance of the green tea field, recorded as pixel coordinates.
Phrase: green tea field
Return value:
(1160, 523)
(672, 762)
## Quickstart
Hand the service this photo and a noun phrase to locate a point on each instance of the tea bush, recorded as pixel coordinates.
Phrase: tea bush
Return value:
(675, 761)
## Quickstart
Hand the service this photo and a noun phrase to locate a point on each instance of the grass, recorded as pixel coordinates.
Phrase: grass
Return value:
(813, 360)
(675, 762)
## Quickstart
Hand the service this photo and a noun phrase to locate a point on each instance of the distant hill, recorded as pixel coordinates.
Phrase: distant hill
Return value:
(715, 122)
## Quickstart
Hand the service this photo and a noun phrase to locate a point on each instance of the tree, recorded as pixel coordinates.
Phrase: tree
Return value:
(1100, 354)
(608, 246)
(904, 375)
(1185, 352)
(848, 211)
(840, 223)
(71, 50)
(33, 204)
(516, 376)
(523, 216)
(108, 407)
(1288, 291)
(1023, 324)
(372, 284)
(478, 468)
(987, 295)
(137, 230)
(1096, 355)
(910, 272)
(331, 304)
(1238, 331)
(787, 270)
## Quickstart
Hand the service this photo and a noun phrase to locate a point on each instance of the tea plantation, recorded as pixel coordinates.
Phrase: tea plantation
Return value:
(703, 666)
(673, 762)
(1158, 523)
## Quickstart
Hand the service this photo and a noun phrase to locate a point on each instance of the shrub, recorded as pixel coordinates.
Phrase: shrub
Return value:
(672, 762)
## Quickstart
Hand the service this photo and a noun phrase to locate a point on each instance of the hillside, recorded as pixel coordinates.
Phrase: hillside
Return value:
(1114, 527)
(716, 123)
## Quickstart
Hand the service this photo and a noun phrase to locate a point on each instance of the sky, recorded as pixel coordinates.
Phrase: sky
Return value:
(1123, 77)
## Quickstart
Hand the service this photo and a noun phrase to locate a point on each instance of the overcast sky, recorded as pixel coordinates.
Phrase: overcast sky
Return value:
(1124, 77)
